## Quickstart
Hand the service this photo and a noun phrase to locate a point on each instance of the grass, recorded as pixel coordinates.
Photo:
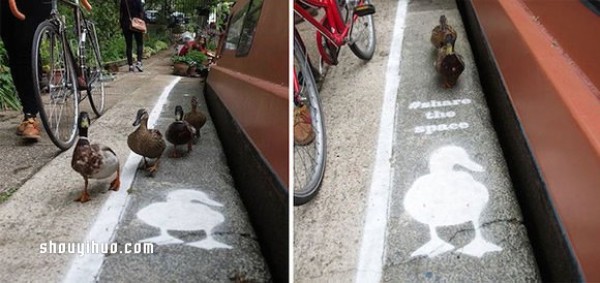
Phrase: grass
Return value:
(6, 194)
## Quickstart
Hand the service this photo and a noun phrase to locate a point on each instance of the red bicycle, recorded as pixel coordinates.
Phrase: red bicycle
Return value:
(345, 22)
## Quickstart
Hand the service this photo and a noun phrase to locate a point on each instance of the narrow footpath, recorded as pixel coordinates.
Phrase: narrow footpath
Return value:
(189, 212)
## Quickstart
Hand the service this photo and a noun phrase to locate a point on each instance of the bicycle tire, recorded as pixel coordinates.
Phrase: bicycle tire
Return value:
(364, 52)
(59, 107)
(307, 179)
(94, 71)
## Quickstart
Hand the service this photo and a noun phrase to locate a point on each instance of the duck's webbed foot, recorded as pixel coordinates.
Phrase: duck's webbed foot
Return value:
(84, 197)
(116, 183)
(174, 153)
(152, 169)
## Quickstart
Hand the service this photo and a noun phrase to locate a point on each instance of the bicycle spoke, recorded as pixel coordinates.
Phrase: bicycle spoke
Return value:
(309, 159)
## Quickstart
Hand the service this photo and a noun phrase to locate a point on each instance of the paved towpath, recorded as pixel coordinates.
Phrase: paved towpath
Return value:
(416, 188)
(189, 214)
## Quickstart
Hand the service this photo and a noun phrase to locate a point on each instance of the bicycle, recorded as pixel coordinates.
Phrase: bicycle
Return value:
(336, 28)
(60, 77)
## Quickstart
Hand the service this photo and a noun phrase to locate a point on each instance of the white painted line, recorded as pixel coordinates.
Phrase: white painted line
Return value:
(85, 268)
(370, 261)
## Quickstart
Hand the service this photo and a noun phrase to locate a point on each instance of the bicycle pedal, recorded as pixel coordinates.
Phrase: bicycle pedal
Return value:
(364, 10)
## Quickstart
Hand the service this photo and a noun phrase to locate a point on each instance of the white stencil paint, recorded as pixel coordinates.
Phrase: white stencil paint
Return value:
(447, 197)
(370, 261)
(184, 210)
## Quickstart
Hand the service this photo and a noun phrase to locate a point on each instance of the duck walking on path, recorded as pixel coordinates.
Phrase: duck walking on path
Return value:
(93, 161)
(439, 33)
(146, 142)
(180, 132)
(447, 197)
(449, 63)
(196, 118)
(184, 210)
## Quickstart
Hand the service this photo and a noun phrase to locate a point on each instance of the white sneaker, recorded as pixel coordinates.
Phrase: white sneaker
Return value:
(138, 66)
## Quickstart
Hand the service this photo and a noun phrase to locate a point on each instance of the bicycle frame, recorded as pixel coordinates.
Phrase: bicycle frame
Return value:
(81, 31)
(333, 18)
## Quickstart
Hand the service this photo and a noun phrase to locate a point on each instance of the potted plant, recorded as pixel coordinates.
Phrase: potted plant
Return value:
(180, 65)
(197, 60)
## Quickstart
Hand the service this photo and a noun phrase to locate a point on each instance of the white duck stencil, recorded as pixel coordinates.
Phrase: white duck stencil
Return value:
(447, 197)
(184, 210)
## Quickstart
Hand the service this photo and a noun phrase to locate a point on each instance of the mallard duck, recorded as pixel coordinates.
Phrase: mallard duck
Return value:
(180, 132)
(449, 63)
(146, 142)
(93, 161)
(439, 33)
(196, 118)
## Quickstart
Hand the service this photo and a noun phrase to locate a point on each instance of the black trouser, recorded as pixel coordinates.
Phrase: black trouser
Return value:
(18, 37)
(139, 44)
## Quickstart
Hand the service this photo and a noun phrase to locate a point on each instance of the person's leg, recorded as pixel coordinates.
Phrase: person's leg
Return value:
(18, 38)
(139, 43)
(128, 47)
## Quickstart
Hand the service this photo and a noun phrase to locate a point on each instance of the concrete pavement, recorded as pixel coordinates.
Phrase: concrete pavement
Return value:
(449, 172)
(385, 211)
(43, 210)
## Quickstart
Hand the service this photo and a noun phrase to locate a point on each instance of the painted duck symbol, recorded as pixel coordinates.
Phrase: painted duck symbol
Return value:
(447, 197)
(184, 210)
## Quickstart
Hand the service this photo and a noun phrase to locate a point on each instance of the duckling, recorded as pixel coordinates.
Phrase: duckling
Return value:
(449, 63)
(93, 161)
(180, 132)
(196, 118)
(146, 142)
(439, 33)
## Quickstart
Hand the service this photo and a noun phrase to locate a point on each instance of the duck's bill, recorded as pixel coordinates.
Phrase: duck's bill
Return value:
(138, 119)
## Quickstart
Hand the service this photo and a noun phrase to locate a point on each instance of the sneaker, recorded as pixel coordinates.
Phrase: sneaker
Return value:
(138, 66)
(29, 129)
(131, 68)
(303, 132)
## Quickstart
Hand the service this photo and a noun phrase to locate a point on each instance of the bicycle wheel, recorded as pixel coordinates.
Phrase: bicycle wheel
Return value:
(309, 159)
(363, 36)
(94, 72)
(55, 85)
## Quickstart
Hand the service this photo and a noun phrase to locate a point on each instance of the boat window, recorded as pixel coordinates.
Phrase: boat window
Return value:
(249, 28)
(235, 29)
(242, 27)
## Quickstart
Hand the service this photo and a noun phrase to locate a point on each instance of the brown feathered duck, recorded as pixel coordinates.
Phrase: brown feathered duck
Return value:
(180, 132)
(195, 117)
(93, 160)
(146, 142)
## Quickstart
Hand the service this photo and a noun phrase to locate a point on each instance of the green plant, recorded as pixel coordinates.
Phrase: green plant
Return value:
(160, 45)
(8, 93)
(212, 46)
(196, 57)
(181, 59)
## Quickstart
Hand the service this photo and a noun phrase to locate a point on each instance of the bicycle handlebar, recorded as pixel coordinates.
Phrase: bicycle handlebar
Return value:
(86, 5)
(15, 10)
